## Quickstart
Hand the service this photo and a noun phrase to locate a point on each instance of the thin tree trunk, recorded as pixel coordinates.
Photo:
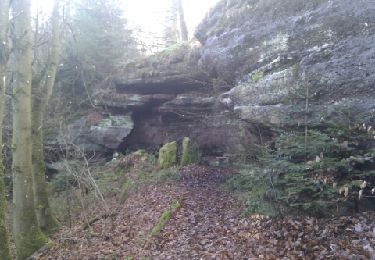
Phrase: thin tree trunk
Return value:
(183, 28)
(42, 90)
(306, 112)
(28, 236)
(4, 56)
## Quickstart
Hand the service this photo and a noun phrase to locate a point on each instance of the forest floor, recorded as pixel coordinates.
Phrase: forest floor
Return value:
(207, 224)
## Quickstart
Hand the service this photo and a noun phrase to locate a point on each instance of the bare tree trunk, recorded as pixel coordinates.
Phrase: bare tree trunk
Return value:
(42, 90)
(306, 112)
(183, 28)
(4, 56)
(28, 236)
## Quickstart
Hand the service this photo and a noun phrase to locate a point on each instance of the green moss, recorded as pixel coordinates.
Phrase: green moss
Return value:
(125, 191)
(168, 155)
(166, 175)
(257, 76)
(295, 70)
(190, 152)
(51, 244)
(4, 244)
(118, 171)
(51, 224)
(165, 217)
(142, 154)
(162, 222)
(28, 243)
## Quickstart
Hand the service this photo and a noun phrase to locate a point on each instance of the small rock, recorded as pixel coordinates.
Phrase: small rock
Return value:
(358, 228)
(333, 247)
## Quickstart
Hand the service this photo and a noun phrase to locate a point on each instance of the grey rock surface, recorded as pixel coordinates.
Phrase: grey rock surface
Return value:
(106, 134)
(256, 61)
(271, 51)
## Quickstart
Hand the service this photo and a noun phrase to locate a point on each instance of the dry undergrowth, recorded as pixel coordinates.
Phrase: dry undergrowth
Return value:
(209, 225)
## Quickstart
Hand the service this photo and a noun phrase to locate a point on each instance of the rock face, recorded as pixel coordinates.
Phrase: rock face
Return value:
(176, 100)
(256, 63)
(94, 133)
(111, 131)
(171, 71)
(273, 51)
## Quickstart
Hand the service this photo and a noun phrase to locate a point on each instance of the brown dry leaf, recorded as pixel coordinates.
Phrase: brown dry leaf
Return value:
(209, 226)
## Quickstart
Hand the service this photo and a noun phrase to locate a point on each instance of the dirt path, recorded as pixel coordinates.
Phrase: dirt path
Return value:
(209, 226)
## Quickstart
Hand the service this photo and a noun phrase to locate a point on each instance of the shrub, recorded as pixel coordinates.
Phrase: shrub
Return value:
(333, 174)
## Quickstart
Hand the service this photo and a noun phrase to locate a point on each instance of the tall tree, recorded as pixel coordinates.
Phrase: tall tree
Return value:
(175, 29)
(171, 33)
(181, 17)
(28, 236)
(4, 56)
(93, 46)
(42, 87)
(101, 38)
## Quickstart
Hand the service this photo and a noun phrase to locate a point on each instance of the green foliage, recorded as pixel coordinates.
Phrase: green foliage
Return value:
(95, 44)
(254, 185)
(291, 146)
(102, 39)
(309, 178)
(326, 176)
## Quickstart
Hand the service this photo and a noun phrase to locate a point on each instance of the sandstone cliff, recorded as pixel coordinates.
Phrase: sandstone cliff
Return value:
(255, 63)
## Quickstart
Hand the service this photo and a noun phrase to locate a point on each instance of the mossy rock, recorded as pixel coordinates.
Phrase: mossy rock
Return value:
(168, 155)
(190, 152)
(257, 76)
(142, 154)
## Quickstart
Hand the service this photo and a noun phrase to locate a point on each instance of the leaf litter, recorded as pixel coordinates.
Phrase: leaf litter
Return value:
(209, 225)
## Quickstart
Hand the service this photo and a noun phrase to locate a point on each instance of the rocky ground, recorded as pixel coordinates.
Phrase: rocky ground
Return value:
(208, 225)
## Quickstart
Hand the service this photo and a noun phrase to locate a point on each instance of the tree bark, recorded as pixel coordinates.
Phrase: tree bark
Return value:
(183, 28)
(41, 93)
(4, 56)
(28, 236)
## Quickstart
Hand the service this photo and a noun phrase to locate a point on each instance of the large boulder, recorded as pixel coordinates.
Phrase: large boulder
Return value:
(93, 133)
(111, 131)
(190, 152)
